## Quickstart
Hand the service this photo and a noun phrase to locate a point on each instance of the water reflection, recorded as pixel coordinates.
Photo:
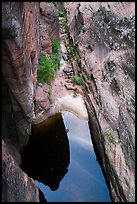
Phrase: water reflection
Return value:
(84, 181)
(47, 156)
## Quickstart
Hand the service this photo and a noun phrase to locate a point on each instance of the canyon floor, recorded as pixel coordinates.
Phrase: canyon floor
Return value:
(61, 94)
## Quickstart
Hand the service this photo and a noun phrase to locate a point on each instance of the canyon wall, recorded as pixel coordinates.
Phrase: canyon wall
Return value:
(16, 185)
(103, 35)
(20, 47)
(27, 31)
(49, 26)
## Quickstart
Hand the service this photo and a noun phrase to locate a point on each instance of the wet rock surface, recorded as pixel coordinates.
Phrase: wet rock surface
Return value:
(106, 45)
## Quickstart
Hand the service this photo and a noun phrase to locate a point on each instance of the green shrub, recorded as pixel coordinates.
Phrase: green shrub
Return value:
(55, 53)
(70, 46)
(55, 45)
(49, 64)
(77, 80)
(109, 136)
(46, 69)
(61, 14)
(62, 20)
(56, 60)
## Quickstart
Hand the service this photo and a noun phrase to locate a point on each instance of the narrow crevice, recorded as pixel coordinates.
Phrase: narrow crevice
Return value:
(95, 127)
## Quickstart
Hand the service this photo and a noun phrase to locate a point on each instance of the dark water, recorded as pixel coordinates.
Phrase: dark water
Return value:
(84, 181)
(47, 156)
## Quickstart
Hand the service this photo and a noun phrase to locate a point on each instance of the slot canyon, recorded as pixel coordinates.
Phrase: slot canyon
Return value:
(68, 65)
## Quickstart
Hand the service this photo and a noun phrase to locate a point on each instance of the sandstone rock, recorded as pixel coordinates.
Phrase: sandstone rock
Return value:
(16, 185)
(68, 70)
(49, 26)
(42, 100)
(43, 104)
(69, 86)
(109, 69)
(19, 68)
(20, 46)
(65, 56)
(109, 27)
(46, 44)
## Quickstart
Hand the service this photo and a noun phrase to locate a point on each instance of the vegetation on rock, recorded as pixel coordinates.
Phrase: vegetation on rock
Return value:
(61, 14)
(77, 80)
(109, 136)
(49, 64)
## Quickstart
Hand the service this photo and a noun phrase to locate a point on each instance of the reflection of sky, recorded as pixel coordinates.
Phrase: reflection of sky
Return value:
(84, 180)
(78, 131)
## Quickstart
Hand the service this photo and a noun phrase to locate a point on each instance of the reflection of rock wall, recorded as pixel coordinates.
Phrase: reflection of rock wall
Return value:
(47, 156)
(106, 44)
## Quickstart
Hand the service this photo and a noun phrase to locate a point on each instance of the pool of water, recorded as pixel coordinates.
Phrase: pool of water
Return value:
(84, 181)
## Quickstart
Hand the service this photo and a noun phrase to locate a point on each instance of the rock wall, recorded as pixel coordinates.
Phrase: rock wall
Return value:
(20, 47)
(103, 35)
(16, 185)
(27, 30)
(49, 26)
(49, 29)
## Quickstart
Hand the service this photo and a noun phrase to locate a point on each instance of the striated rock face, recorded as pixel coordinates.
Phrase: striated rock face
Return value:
(22, 37)
(20, 46)
(104, 37)
(105, 42)
(20, 34)
(16, 185)
(49, 26)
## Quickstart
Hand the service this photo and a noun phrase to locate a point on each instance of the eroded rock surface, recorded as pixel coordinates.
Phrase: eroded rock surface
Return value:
(49, 30)
(49, 26)
(27, 30)
(20, 43)
(20, 47)
(105, 42)
(16, 185)
(103, 34)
